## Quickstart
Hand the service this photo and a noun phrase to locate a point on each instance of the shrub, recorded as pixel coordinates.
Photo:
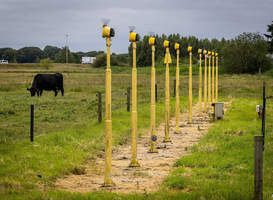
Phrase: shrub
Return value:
(246, 54)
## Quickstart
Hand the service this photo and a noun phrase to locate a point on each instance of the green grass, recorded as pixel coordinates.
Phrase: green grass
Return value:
(221, 165)
(68, 136)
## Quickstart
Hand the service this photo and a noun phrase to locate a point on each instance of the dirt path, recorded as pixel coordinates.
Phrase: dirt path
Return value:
(154, 167)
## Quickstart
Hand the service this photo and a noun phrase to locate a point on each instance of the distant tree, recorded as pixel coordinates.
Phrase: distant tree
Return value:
(100, 61)
(246, 54)
(61, 56)
(14, 60)
(3, 50)
(51, 51)
(76, 57)
(122, 59)
(92, 53)
(37, 60)
(29, 54)
(100, 52)
(270, 37)
(9, 54)
(46, 63)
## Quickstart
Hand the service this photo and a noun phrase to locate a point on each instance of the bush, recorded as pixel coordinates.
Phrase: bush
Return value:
(246, 54)
(101, 61)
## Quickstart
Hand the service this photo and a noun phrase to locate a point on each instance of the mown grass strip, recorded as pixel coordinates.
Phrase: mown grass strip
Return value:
(222, 164)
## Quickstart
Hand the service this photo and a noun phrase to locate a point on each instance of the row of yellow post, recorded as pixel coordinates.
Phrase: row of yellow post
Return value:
(133, 37)
(210, 82)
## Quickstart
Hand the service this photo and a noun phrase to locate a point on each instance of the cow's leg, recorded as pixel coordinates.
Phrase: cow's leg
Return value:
(62, 90)
(56, 92)
(37, 92)
(41, 92)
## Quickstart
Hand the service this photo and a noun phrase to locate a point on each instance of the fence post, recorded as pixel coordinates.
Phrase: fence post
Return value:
(99, 107)
(258, 167)
(174, 87)
(31, 122)
(155, 92)
(263, 115)
(128, 99)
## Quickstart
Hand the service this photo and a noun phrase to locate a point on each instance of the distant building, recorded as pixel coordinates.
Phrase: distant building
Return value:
(88, 60)
(4, 61)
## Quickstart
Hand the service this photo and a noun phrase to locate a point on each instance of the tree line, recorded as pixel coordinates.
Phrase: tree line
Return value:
(35, 54)
(246, 53)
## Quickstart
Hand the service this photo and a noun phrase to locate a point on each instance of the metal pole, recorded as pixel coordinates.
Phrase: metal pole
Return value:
(258, 167)
(212, 88)
(205, 82)
(200, 82)
(177, 98)
(153, 134)
(216, 78)
(190, 86)
(31, 123)
(212, 78)
(167, 98)
(108, 121)
(209, 83)
(134, 162)
(263, 115)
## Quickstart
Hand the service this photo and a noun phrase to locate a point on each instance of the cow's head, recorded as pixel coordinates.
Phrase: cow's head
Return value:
(32, 91)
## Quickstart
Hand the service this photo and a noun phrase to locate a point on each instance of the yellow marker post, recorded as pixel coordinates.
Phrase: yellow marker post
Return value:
(212, 78)
(108, 33)
(152, 42)
(216, 78)
(167, 60)
(200, 81)
(205, 82)
(190, 85)
(177, 98)
(212, 87)
(134, 163)
(209, 82)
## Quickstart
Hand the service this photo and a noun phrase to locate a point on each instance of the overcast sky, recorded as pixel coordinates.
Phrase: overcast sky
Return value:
(47, 22)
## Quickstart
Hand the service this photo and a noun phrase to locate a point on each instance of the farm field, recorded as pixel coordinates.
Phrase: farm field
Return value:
(68, 136)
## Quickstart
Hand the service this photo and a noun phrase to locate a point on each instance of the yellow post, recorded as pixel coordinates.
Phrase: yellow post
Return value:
(216, 85)
(153, 149)
(212, 78)
(134, 163)
(177, 98)
(190, 86)
(205, 83)
(200, 82)
(167, 91)
(108, 33)
(209, 82)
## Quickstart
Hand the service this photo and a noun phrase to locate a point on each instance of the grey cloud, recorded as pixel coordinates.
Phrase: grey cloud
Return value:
(46, 22)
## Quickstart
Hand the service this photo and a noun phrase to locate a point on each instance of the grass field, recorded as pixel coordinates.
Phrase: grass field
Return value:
(68, 136)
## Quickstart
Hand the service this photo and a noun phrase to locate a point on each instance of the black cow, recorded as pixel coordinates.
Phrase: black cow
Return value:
(47, 82)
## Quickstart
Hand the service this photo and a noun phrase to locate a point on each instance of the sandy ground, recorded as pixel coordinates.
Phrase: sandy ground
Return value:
(154, 167)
